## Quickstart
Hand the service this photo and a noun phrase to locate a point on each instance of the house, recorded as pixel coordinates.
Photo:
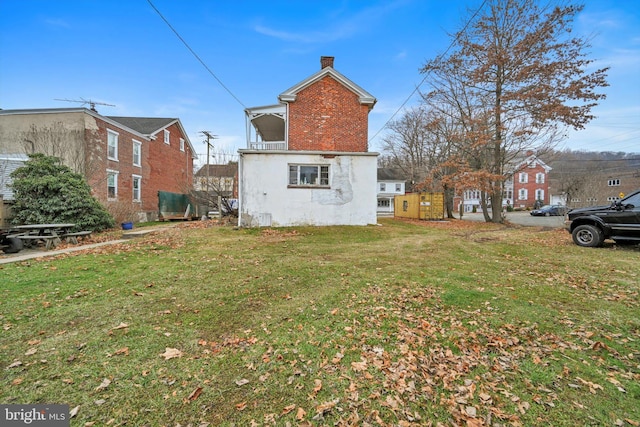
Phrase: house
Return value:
(307, 160)
(126, 160)
(390, 184)
(219, 179)
(527, 185)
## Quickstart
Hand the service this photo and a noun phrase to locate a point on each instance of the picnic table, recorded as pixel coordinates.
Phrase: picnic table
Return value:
(50, 234)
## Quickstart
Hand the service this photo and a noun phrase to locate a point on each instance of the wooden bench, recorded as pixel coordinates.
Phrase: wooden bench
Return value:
(29, 239)
(73, 237)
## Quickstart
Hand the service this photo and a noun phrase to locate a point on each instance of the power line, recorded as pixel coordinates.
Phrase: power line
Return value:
(195, 54)
(427, 73)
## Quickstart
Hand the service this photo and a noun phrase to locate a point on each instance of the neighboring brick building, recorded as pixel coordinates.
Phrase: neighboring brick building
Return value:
(530, 183)
(527, 184)
(126, 160)
(309, 162)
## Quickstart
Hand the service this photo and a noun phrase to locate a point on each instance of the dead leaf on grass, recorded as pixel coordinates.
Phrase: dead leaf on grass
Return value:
(122, 325)
(242, 382)
(171, 353)
(241, 406)
(288, 409)
(104, 384)
(195, 394)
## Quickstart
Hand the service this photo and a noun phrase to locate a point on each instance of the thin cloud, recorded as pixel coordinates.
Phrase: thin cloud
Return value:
(341, 29)
(57, 22)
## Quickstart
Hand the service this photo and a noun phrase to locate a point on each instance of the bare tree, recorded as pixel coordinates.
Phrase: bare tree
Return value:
(514, 80)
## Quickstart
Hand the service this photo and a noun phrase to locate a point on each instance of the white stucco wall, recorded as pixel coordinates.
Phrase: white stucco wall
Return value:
(266, 199)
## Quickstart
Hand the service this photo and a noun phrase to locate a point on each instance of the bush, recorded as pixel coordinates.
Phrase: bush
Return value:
(46, 191)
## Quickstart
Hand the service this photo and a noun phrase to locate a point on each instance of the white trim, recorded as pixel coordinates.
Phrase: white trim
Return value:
(135, 177)
(117, 136)
(167, 137)
(138, 144)
(115, 183)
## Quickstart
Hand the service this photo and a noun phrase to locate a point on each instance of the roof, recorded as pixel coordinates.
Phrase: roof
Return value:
(228, 170)
(364, 96)
(144, 125)
(531, 161)
(9, 163)
(388, 174)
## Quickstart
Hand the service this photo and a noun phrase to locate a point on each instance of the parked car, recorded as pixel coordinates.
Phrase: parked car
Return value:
(550, 210)
(619, 221)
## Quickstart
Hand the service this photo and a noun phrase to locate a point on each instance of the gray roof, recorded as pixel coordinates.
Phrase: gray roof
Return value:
(9, 163)
(388, 174)
(144, 125)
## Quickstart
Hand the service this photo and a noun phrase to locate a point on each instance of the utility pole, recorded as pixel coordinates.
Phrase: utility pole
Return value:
(210, 137)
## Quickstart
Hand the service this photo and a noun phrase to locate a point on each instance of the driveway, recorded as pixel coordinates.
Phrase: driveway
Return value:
(523, 218)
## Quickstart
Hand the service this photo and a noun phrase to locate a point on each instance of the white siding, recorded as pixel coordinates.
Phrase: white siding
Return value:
(265, 194)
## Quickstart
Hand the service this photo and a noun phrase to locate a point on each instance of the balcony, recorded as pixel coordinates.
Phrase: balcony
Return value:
(268, 145)
(266, 127)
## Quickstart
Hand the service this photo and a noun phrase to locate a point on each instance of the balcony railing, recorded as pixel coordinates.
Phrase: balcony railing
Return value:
(271, 145)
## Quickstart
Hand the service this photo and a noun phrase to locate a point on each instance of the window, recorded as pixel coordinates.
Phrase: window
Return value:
(166, 136)
(522, 194)
(112, 145)
(136, 185)
(137, 150)
(508, 194)
(383, 203)
(614, 182)
(613, 199)
(383, 186)
(539, 178)
(112, 184)
(181, 144)
(309, 175)
(523, 178)
(540, 194)
(398, 188)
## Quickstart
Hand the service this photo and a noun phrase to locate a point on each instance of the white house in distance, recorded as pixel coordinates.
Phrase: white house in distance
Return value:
(307, 160)
(390, 185)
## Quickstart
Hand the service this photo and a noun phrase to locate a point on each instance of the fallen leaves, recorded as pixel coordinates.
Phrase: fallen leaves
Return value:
(171, 353)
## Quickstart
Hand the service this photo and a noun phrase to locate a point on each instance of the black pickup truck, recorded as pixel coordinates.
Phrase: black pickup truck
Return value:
(619, 221)
(8, 244)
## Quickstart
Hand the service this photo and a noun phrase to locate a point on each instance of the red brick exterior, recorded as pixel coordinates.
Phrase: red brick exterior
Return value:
(163, 167)
(169, 168)
(327, 116)
(531, 186)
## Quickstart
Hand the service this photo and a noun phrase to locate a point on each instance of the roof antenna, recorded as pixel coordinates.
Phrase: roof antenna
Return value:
(92, 104)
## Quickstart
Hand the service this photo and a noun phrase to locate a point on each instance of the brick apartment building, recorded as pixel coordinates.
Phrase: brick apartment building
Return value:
(126, 160)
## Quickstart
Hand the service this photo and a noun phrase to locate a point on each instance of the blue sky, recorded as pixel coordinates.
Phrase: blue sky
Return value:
(121, 52)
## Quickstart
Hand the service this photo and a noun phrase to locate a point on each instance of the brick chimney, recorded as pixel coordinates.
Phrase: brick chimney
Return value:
(326, 61)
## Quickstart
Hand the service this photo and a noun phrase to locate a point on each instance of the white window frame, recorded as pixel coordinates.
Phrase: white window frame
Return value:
(113, 173)
(167, 137)
(137, 145)
(383, 187)
(112, 143)
(540, 178)
(523, 178)
(614, 182)
(181, 144)
(398, 188)
(138, 179)
(539, 194)
(523, 194)
(297, 179)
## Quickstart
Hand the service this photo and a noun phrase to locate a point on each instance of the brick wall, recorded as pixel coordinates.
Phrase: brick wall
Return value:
(163, 167)
(531, 186)
(169, 168)
(327, 116)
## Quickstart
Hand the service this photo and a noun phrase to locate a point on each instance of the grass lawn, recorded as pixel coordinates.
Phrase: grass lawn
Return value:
(403, 324)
